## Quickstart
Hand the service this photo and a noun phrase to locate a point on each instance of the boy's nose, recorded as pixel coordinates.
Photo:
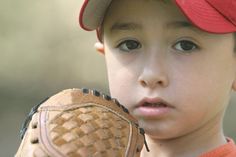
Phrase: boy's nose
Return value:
(153, 78)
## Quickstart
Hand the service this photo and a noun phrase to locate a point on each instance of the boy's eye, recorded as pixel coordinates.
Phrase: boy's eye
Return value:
(185, 45)
(129, 45)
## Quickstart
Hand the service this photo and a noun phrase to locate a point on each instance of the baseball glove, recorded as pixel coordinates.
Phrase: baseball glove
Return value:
(80, 123)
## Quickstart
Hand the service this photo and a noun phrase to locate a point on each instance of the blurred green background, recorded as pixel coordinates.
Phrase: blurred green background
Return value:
(43, 51)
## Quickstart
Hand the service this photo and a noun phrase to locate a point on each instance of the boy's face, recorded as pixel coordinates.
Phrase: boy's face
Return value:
(151, 52)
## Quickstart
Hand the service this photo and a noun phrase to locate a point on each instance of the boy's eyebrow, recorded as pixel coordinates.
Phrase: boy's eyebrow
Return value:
(177, 24)
(183, 24)
(125, 26)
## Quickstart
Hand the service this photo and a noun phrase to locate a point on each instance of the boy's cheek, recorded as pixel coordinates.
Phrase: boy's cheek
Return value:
(123, 86)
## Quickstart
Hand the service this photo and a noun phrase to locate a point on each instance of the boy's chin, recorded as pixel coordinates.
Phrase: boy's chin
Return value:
(160, 133)
(161, 136)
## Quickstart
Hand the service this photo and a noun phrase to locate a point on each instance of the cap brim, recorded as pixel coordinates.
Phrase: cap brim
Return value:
(199, 12)
(92, 13)
(205, 17)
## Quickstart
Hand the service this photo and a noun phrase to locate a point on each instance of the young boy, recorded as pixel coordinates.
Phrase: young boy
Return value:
(173, 65)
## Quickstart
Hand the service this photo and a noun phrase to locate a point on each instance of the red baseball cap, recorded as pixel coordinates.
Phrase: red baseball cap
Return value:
(214, 16)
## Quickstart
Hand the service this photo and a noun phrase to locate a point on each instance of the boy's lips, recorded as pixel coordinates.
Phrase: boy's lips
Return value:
(152, 108)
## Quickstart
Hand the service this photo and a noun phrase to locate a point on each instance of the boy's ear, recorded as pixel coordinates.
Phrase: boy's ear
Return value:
(234, 85)
(99, 47)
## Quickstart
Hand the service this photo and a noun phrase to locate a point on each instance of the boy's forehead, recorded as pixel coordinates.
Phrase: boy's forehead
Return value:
(125, 15)
(126, 7)
(123, 10)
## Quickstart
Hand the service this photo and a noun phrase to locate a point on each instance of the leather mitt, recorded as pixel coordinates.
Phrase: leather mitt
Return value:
(80, 123)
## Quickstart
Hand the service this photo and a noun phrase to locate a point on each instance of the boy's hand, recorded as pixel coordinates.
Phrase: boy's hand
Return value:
(80, 123)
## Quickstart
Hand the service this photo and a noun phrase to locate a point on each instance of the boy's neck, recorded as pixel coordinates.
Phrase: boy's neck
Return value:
(194, 144)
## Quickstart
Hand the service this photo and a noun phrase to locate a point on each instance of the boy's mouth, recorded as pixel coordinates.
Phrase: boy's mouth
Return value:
(152, 108)
(158, 104)
(153, 102)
